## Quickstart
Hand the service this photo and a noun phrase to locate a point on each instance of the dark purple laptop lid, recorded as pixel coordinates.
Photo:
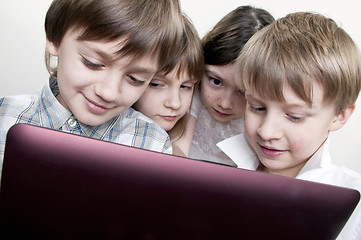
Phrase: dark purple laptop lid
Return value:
(57, 186)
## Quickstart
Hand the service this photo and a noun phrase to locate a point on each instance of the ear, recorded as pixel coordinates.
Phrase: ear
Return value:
(342, 118)
(51, 48)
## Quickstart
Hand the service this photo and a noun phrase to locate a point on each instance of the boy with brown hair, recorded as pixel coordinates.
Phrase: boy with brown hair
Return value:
(106, 52)
(301, 77)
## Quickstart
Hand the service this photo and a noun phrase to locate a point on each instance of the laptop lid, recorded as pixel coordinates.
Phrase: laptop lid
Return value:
(58, 185)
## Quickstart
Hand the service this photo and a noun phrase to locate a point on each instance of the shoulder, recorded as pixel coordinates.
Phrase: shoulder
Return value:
(12, 107)
(335, 175)
(18, 101)
(348, 177)
(144, 132)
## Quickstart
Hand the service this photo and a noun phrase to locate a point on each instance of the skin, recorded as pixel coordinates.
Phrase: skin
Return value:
(167, 98)
(96, 84)
(220, 94)
(286, 134)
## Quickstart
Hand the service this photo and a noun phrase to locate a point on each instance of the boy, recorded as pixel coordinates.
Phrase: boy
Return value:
(301, 77)
(107, 52)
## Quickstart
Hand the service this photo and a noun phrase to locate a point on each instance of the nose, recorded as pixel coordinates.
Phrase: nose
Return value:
(109, 88)
(173, 100)
(270, 128)
(225, 101)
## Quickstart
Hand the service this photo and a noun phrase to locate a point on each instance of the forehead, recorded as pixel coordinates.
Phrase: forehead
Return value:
(289, 96)
(110, 50)
(221, 70)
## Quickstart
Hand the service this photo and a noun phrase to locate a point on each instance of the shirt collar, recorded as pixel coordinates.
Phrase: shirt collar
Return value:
(51, 109)
(61, 118)
(238, 149)
(320, 159)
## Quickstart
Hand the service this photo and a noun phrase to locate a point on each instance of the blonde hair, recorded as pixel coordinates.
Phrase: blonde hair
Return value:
(297, 50)
(149, 26)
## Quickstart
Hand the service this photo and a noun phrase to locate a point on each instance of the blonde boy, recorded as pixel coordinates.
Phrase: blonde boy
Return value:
(106, 52)
(301, 77)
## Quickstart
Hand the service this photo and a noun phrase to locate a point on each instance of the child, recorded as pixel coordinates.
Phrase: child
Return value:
(169, 95)
(107, 52)
(220, 107)
(301, 77)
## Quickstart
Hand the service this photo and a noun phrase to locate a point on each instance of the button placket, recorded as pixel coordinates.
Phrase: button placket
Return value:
(72, 122)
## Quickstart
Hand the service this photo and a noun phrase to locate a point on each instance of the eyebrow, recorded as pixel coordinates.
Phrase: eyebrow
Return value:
(289, 105)
(110, 57)
(214, 73)
(142, 70)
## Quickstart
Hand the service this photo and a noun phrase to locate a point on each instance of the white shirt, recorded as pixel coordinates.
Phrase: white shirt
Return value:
(319, 168)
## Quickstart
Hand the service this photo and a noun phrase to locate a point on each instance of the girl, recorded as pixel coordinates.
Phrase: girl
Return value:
(169, 94)
(218, 108)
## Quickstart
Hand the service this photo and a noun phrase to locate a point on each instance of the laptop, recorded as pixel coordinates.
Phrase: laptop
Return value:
(57, 185)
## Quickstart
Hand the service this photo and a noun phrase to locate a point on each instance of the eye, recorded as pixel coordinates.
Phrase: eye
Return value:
(257, 109)
(135, 81)
(187, 86)
(155, 85)
(92, 65)
(215, 81)
(242, 92)
(296, 119)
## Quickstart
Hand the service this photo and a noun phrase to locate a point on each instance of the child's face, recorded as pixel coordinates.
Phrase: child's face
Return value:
(286, 134)
(167, 99)
(95, 84)
(220, 94)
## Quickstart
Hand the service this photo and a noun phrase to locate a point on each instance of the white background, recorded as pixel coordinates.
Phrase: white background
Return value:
(22, 46)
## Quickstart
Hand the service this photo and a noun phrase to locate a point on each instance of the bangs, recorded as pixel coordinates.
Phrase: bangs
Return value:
(270, 68)
(148, 27)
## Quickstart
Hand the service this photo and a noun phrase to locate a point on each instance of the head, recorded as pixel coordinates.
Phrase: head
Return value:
(301, 77)
(169, 94)
(108, 51)
(221, 47)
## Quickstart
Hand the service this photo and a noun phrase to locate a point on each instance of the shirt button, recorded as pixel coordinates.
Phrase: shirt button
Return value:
(72, 122)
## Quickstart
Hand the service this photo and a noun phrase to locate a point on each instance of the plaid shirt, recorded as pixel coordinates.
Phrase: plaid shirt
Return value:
(130, 128)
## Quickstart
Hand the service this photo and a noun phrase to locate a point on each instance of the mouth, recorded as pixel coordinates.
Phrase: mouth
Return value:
(95, 107)
(271, 152)
(221, 114)
(169, 118)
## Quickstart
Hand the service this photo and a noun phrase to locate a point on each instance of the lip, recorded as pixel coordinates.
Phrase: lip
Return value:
(221, 114)
(271, 152)
(95, 107)
(169, 118)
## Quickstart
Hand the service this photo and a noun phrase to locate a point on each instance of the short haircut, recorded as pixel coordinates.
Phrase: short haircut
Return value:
(148, 26)
(224, 42)
(298, 50)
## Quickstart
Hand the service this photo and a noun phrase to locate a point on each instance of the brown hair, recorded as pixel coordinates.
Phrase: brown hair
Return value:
(149, 26)
(297, 50)
(191, 62)
(225, 41)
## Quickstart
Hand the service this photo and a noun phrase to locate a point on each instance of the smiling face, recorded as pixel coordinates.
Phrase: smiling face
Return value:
(286, 134)
(96, 84)
(220, 94)
(167, 98)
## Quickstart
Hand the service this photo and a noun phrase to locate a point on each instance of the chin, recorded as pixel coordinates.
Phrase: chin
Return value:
(221, 119)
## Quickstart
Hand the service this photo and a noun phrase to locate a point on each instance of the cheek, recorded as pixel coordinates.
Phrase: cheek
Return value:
(240, 106)
(250, 126)
(131, 94)
(297, 144)
(187, 101)
(208, 97)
